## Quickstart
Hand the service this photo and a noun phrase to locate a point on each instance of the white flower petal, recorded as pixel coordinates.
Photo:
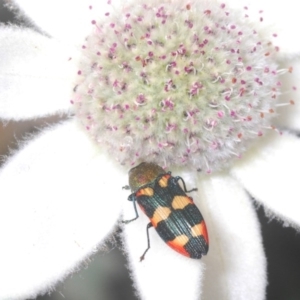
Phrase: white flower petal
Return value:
(59, 199)
(279, 17)
(235, 263)
(289, 116)
(35, 73)
(269, 172)
(164, 274)
(73, 18)
(67, 20)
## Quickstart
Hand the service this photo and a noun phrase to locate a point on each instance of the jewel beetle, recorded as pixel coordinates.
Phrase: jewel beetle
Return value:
(172, 213)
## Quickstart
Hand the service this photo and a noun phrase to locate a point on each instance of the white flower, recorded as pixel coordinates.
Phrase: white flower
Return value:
(61, 195)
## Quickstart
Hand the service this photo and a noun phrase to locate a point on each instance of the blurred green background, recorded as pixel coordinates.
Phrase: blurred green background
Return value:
(105, 276)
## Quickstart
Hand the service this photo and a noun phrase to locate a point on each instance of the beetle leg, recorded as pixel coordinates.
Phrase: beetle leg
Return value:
(177, 178)
(148, 240)
(133, 199)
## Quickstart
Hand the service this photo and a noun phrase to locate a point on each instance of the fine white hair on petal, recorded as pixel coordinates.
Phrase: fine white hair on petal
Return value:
(72, 17)
(66, 20)
(289, 115)
(235, 263)
(269, 173)
(164, 274)
(35, 73)
(281, 17)
(59, 199)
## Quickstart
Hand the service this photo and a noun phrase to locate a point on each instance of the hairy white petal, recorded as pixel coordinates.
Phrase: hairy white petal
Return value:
(235, 264)
(67, 20)
(269, 173)
(289, 115)
(35, 74)
(164, 274)
(72, 18)
(279, 17)
(59, 199)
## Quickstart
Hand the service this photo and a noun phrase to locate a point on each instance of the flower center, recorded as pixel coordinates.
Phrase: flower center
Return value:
(176, 84)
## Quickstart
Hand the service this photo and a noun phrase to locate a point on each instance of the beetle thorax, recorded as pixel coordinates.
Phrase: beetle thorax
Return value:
(143, 174)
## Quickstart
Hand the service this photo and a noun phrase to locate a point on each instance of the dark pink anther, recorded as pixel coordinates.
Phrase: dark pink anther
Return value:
(220, 114)
(141, 99)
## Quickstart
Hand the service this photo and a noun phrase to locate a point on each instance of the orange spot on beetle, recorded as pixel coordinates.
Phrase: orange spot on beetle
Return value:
(200, 230)
(180, 202)
(178, 244)
(161, 213)
(147, 191)
(163, 182)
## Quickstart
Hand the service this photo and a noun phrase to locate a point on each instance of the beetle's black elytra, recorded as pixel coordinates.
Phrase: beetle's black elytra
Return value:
(172, 213)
